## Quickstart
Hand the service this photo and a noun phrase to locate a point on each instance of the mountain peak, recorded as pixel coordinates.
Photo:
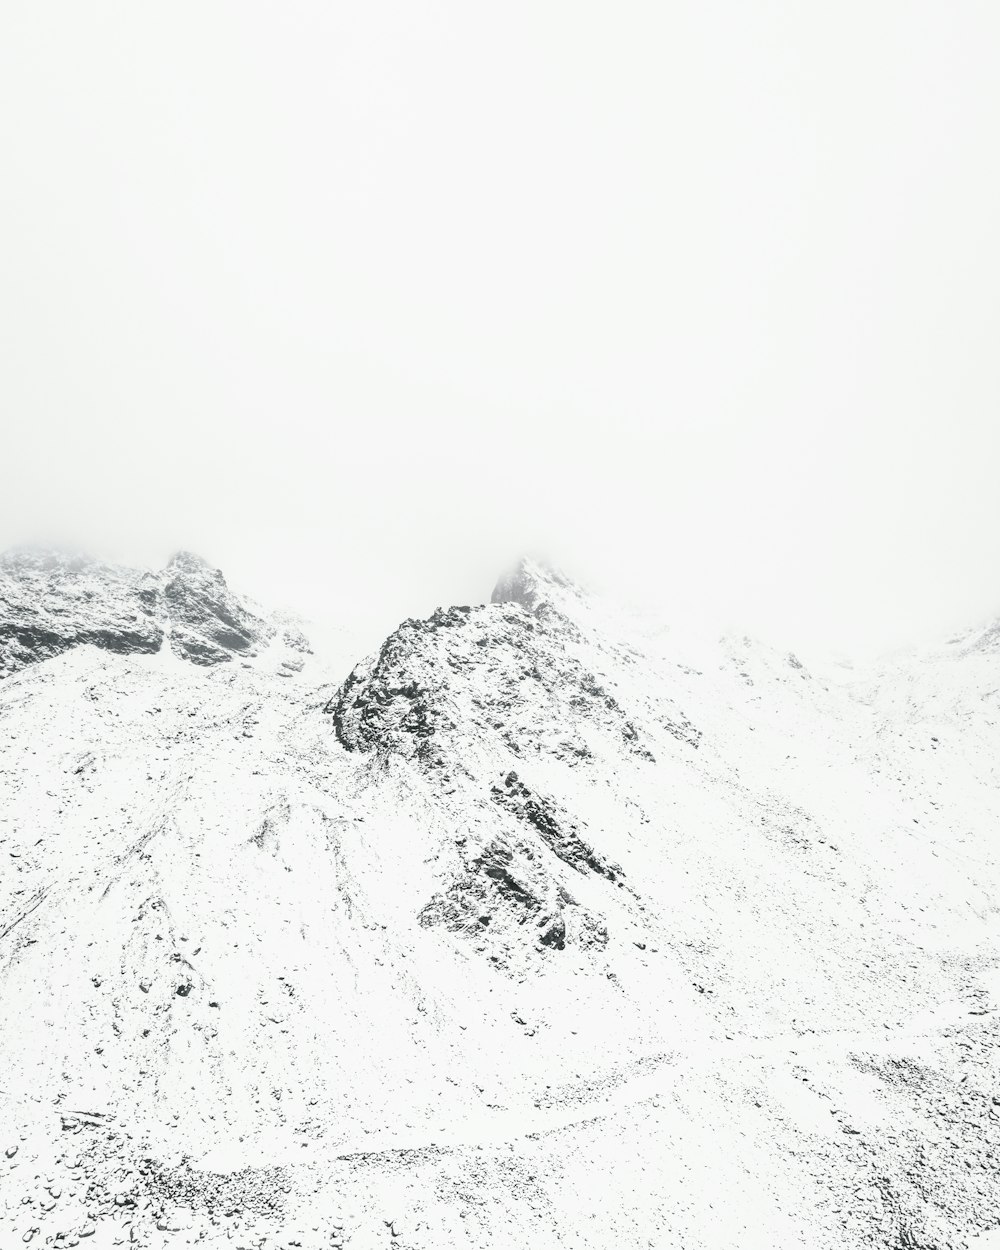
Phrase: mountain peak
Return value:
(188, 562)
(208, 622)
(531, 582)
(54, 599)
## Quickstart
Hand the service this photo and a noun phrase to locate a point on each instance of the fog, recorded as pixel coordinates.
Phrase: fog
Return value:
(363, 301)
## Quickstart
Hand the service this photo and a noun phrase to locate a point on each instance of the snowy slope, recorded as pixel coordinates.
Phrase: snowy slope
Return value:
(541, 927)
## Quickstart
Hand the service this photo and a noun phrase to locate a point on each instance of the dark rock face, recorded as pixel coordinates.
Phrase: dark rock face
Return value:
(506, 881)
(523, 686)
(208, 623)
(558, 833)
(528, 584)
(517, 586)
(471, 688)
(394, 703)
(51, 601)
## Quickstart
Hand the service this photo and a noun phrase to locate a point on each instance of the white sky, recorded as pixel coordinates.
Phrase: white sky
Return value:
(360, 300)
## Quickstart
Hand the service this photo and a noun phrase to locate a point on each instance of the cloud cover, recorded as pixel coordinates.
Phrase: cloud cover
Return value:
(362, 301)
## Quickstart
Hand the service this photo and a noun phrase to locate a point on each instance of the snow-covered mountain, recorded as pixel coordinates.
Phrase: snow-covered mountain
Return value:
(52, 601)
(539, 927)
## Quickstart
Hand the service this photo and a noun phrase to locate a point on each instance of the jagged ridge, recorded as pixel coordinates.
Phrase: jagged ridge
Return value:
(51, 602)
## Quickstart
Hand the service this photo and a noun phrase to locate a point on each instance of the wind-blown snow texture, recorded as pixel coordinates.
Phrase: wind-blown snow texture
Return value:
(540, 929)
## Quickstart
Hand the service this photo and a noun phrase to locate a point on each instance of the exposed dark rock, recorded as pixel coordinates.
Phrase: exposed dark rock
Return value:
(554, 934)
(208, 622)
(381, 707)
(528, 584)
(52, 601)
(526, 681)
(558, 835)
(506, 882)
(492, 880)
(681, 728)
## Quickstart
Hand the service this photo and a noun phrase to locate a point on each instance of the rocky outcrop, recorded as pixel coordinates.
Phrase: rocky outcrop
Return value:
(52, 601)
(441, 688)
(208, 623)
(469, 688)
(506, 887)
(530, 583)
(556, 829)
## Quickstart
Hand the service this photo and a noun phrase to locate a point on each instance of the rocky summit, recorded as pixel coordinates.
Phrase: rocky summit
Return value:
(539, 926)
(52, 601)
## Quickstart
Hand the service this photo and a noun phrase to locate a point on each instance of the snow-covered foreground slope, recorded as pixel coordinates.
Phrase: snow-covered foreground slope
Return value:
(540, 929)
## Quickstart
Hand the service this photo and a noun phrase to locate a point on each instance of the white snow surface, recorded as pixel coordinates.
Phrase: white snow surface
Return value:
(543, 928)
